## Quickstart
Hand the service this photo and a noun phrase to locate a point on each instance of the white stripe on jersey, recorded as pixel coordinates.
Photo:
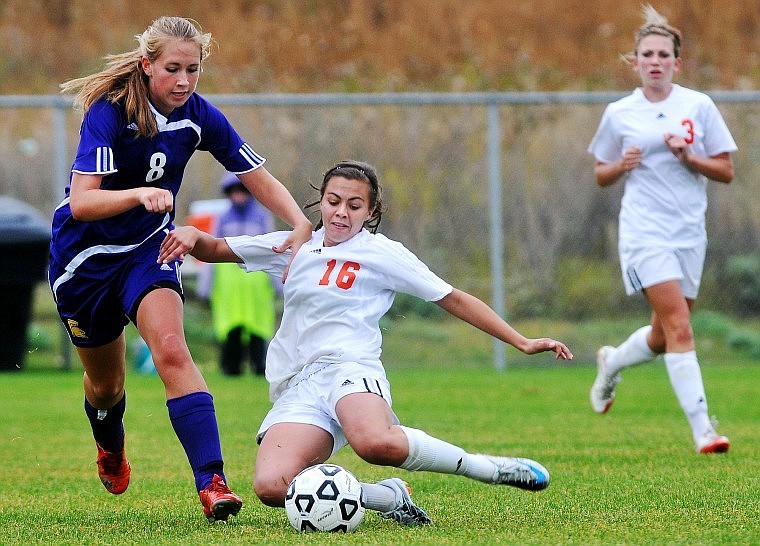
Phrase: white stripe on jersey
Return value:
(181, 124)
(252, 157)
(72, 266)
(64, 202)
(104, 159)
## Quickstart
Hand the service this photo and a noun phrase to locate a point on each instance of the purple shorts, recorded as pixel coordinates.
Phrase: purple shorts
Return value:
(96, 310)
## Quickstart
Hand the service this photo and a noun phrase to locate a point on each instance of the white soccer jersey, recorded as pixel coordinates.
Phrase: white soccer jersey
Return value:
(334, 297)
(663, 203)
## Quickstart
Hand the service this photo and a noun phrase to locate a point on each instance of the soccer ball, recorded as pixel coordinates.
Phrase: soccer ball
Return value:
(324, 497)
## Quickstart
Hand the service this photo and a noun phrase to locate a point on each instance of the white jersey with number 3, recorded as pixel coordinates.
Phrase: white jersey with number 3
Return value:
(664, 202)
(334, 297)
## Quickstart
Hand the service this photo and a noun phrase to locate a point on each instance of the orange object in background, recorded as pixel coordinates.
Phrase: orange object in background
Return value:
(201, 221)
(203, 214)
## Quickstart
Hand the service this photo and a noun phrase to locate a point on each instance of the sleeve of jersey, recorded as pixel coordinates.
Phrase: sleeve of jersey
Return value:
(604, 146)
(718, 138)
(219, 137)
(257, 254)
(406, 273)
(100, 127)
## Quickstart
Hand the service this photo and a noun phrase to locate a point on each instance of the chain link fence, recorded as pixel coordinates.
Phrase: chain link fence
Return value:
(481, 186)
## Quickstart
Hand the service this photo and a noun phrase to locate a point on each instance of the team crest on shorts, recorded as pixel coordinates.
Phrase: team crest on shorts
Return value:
(75, 330)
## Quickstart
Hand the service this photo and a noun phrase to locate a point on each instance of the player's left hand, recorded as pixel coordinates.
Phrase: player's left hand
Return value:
(177, 244)
(544, 344)
(677, 146)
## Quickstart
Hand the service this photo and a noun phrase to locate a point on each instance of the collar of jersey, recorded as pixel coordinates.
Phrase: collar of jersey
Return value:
(161, 120)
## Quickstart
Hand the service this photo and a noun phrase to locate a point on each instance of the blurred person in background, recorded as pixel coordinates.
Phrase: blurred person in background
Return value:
(142, 121)
(242, 305)
(664, 141)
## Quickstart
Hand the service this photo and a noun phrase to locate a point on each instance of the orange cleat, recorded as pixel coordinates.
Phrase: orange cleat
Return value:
(113, 470)
(218, 500)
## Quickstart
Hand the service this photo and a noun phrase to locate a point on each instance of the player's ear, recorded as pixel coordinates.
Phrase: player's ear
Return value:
(146, 65)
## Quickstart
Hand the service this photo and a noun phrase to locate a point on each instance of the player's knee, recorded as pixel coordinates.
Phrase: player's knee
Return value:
(382, 449)
(171, 352)
(270, 491)
(105, 394)
(683, 332)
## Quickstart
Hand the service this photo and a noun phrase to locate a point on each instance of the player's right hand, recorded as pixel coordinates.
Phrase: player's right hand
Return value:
(631, 158)
(156, 199)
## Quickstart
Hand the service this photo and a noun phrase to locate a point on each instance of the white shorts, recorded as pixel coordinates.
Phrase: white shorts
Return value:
(643, 267)
(312, 395)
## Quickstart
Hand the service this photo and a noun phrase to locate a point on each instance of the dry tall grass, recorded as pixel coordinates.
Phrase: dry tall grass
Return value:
(385, 45)
(432, 158)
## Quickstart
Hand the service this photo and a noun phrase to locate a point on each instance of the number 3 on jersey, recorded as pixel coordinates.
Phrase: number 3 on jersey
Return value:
(689, 130)
(345, 277)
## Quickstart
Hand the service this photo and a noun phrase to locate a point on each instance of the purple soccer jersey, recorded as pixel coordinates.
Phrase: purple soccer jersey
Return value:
(108, 147)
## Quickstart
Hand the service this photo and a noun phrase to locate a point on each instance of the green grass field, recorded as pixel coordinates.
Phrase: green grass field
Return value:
(629, 477)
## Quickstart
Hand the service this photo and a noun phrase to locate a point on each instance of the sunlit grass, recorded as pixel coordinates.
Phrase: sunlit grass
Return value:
(627, 477)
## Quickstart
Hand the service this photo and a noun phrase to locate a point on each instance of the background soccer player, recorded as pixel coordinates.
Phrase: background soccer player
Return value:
(665, 141)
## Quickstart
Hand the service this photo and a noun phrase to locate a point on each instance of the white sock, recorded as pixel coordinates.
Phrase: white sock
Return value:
(378, 497)
(434, 455)
(633, 350)
(686, 379)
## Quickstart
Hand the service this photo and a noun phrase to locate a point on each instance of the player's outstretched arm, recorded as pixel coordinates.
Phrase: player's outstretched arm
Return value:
(476, 312)
(190, 240)
(273, 195)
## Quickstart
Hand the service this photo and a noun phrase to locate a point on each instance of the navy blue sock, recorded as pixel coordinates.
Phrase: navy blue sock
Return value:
(194, 421)
(108, 424)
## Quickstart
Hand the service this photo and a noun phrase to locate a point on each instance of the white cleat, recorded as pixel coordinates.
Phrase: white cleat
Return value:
(602, 393)
(406, 512)
(519, 472)
(712, 442)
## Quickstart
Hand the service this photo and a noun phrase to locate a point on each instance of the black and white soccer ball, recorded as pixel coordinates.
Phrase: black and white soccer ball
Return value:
(324, 497)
